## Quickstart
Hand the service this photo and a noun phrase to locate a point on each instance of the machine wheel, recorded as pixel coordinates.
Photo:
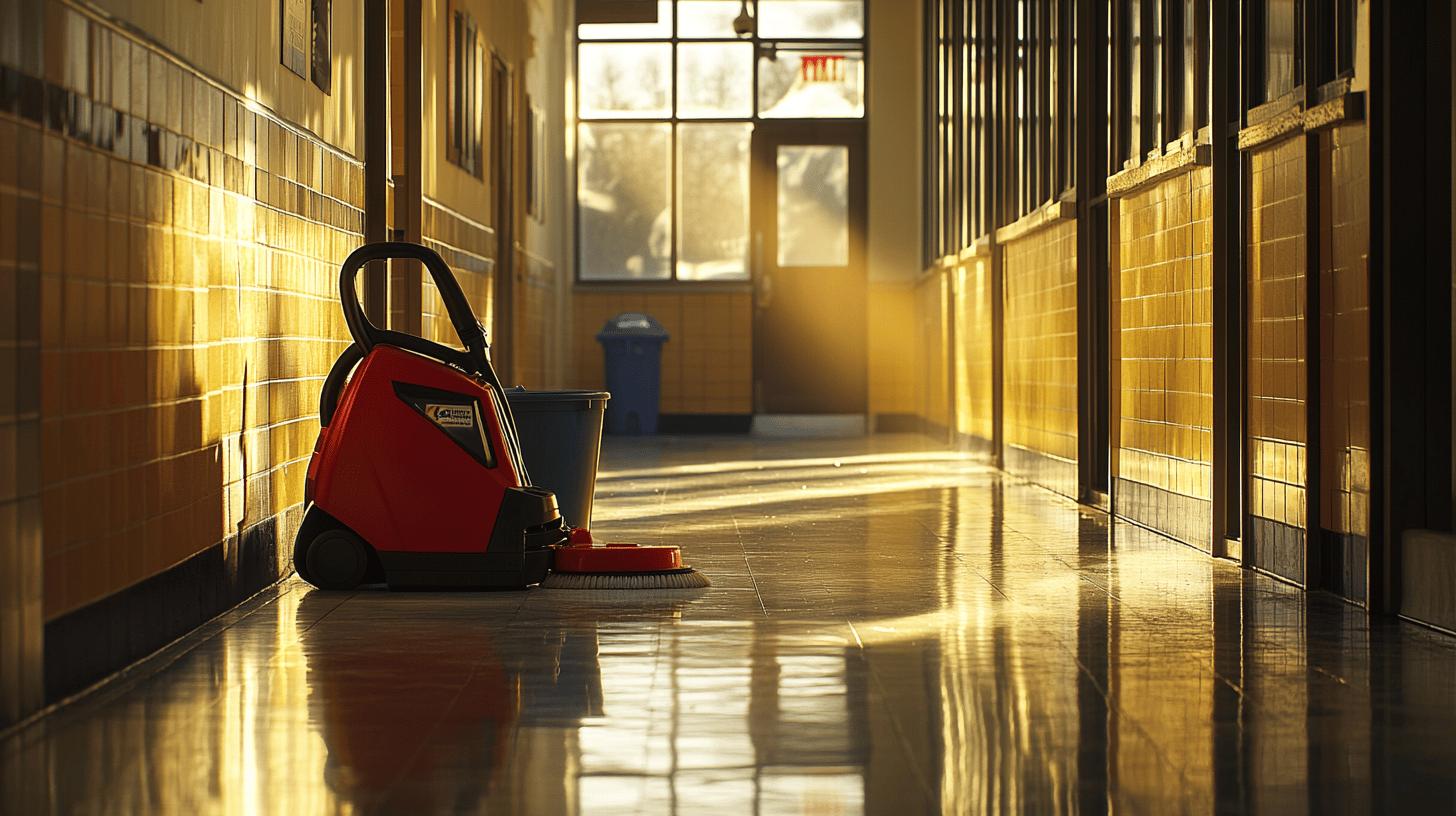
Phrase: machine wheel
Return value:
(336, 559)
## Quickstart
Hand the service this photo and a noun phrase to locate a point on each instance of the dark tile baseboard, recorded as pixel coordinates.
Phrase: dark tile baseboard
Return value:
(1052, 472)
(1186, 518)
(704, 423)
(907, 423)
(90, 643)
(1275, 547)
(1342, 563)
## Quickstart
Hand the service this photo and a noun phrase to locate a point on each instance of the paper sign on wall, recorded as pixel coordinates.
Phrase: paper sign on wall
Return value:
(295, 32)
(822, 68)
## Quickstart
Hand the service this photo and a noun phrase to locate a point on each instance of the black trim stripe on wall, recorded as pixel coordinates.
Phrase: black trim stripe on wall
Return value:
(88, 644)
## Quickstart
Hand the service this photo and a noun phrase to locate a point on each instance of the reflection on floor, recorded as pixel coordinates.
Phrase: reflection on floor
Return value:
(891, 631)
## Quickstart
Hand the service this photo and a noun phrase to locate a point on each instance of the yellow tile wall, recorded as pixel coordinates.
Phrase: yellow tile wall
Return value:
(1276, 432)
(894, 380)
(540, 335)
(21, 555)
(973, 350)
(188, 311)
(468, 247)
(931, 295)
(1040, 391)
(1165, 378)
(1344, 331)
(707, 364)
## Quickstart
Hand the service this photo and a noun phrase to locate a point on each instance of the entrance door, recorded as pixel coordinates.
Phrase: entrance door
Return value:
(809, 216)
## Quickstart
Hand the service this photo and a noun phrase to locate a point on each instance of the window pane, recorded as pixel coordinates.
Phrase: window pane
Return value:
(625, 80)
(712, 200)
(708, 19)
(813, 205)
(1281, 48)
(622, 197)
(804, 85)
(1193, 54)
(715, 79)
(662, 29)
(811, 18)
(1156, 42)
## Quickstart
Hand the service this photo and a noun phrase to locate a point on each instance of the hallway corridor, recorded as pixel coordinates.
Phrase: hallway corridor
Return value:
(892, 629)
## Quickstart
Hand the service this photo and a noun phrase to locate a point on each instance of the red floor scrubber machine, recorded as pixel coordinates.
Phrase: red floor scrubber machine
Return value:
(417, 478)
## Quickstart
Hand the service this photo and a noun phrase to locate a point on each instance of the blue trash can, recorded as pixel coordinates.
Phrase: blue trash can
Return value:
(632, 345)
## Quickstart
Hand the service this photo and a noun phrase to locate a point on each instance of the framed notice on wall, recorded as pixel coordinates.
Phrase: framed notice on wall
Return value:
(295, 36)
(322, 65)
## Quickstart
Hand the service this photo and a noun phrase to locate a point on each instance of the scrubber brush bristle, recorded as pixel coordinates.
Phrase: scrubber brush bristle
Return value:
(685, 578)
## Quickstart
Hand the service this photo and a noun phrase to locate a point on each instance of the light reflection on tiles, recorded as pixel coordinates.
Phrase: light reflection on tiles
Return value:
(891, 631)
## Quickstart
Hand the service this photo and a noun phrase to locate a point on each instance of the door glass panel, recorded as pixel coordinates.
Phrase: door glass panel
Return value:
(813, 205)
(623, 189)
(839, 19)
(715, 80)
(662, 29)
(707, 19)
(625, 80)
(811, 85)
(712, 200)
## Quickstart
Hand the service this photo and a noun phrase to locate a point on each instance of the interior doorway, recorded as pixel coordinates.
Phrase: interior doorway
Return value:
(808, 217)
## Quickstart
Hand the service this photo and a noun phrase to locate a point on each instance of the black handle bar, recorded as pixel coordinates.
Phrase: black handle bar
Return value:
(474, 360)
(367, 335)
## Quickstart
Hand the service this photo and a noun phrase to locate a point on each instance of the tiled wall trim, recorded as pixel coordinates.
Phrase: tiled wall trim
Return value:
(229, 146)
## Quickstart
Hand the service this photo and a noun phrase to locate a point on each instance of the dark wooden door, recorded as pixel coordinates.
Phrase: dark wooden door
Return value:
(809, 216)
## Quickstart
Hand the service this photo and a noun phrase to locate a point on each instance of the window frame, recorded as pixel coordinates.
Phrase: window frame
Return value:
(465, 92)
(1000, 92)
(674, 121)
(535, 161)
(1254, 46)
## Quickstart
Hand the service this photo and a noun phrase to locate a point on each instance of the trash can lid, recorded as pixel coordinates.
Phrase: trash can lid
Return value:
(632, 324)
(568, 399)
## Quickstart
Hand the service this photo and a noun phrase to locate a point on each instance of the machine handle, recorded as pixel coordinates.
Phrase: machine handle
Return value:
(334, 383)
(367, 335)
(474, 360)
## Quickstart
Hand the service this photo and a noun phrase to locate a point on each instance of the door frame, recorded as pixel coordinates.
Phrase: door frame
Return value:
(503, 188)
(769, 134)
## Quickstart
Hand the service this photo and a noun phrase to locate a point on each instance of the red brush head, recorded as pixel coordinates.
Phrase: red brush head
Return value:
(616, 558)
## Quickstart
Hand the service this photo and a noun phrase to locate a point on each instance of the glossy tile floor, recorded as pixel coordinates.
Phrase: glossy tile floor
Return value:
(892, 630)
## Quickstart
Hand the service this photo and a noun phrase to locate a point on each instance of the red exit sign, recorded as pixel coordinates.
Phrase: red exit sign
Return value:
(822, 68)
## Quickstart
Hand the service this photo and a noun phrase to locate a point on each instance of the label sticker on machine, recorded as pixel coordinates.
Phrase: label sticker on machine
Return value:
(451, 416)
(458, 416)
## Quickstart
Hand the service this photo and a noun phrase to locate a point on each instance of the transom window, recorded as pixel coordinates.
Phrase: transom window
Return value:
(666, 111)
